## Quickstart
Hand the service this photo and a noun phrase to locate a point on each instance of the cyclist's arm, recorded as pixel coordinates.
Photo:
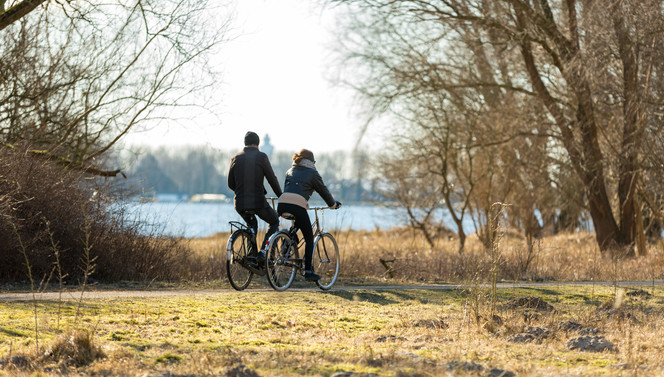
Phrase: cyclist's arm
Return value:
(271, 177)
(322, 190)
(231, 176)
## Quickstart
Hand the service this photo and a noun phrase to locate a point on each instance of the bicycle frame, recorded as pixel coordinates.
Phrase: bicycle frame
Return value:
(285, 259)
(316, 225)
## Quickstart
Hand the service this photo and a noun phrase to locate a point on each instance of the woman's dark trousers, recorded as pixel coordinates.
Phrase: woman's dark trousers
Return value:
(303, 223)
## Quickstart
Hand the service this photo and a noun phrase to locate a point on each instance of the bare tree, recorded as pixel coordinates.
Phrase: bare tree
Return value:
(407, 185)
(445, 123)
(592, 65)
(77, 76)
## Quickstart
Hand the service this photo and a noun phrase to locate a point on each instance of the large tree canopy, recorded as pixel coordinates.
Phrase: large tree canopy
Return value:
(580, 80)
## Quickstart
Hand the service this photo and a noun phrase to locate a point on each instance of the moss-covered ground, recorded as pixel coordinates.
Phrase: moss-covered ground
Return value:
(314, 333)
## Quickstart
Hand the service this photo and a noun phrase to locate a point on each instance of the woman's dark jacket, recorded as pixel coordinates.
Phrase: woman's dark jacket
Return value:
(304, 181)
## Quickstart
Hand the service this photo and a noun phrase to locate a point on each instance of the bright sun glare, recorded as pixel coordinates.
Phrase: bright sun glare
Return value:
(274, 82)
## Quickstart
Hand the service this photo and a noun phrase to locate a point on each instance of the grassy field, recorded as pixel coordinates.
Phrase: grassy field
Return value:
(383, 333)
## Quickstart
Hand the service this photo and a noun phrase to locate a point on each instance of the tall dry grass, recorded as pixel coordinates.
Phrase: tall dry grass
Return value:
(404, 255)
(563, 257)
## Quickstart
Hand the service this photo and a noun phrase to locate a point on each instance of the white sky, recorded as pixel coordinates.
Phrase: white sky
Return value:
(273, 83)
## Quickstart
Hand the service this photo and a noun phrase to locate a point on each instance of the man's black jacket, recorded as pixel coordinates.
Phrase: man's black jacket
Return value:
(245, 178)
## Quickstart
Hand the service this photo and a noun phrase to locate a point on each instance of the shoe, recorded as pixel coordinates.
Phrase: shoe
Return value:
(260, 258)
(311, 276)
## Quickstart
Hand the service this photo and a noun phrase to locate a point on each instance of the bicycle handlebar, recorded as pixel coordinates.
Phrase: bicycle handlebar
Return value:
(273, 198)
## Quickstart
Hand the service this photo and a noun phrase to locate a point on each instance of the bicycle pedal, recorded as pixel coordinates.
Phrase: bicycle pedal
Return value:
(256, 269)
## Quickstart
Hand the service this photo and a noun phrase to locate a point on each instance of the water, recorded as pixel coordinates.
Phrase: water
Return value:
(205, 219)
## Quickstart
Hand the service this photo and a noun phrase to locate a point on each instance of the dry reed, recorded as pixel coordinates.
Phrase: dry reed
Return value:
(402, 255)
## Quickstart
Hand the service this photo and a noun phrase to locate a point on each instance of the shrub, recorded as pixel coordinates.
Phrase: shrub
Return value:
(44, 207)
(74, 347)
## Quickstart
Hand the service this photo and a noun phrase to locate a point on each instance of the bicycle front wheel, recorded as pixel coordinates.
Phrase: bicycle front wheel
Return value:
(236, 252)
(278, 264)
(326, 260)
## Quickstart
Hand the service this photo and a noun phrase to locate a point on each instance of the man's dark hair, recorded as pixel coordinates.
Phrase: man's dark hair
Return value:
(251, 138)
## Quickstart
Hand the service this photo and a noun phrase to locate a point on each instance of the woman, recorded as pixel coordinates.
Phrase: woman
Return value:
(302, 180)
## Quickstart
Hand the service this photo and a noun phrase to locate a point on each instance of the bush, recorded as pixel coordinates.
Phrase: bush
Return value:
(74, 347)
(44, 208)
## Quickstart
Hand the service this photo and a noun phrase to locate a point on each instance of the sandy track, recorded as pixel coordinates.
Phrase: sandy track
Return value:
(103, 294)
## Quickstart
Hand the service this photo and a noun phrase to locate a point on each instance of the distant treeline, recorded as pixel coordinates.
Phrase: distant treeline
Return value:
(193, 170)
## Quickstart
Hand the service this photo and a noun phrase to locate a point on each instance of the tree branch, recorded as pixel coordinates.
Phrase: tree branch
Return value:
(16, 12)
(69, 164)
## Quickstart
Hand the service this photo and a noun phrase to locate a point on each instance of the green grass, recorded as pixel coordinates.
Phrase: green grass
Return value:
(317, 333)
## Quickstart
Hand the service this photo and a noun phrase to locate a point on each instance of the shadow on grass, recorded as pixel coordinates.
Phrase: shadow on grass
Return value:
(546, 292)
(568, 295)
(367, 296)
(387, 297)
(11, 332)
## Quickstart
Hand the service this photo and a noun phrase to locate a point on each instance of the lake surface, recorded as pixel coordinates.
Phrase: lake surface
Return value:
(205, 219)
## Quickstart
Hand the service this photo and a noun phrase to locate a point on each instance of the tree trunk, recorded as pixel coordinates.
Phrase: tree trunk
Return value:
(462, 240)
(586, 154)
(631, 221)
(427, 235)
(608, 235)
(640, 232)
(16, 12)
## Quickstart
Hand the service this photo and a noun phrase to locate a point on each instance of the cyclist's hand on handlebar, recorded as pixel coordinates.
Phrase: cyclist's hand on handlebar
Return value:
(336, 205)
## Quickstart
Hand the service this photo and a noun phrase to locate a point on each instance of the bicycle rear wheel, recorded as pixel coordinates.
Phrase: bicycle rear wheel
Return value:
(236, 251)
(326, 260)
(280, 269)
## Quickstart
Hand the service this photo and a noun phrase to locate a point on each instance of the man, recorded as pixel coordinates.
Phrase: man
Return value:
(245, 178)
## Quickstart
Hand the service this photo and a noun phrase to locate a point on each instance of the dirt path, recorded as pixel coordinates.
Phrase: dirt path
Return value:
(101, 294)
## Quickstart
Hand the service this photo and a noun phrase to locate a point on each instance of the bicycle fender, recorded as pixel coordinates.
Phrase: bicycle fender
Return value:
(229, 246)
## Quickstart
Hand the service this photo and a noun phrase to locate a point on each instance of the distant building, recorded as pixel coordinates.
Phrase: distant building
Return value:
(267, 148)
(209, 198)
(170, 197)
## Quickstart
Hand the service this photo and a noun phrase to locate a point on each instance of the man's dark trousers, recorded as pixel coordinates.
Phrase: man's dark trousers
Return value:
(267, 214)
